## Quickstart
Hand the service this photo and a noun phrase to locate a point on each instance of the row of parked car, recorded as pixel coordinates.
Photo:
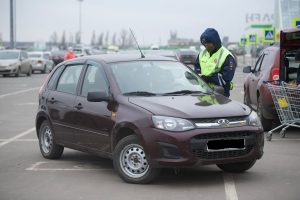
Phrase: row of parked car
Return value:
(16, 62)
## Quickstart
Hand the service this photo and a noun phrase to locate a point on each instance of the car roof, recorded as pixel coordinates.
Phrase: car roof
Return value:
(112, 58)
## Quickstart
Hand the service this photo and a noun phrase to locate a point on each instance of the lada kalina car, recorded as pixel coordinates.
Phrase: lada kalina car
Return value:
(145, 113)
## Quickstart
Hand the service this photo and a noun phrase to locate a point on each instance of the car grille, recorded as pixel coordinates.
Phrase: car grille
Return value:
(199, 145)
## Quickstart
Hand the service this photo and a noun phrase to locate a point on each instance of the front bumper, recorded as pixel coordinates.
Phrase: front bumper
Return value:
(183, 149)
(8, 70)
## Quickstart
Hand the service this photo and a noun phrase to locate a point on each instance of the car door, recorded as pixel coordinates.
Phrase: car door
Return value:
(254, 79)
(25, 62)
(93, 119)
(60, 103)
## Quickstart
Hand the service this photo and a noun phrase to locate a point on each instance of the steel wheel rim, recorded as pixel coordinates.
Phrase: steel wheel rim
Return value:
(47, 139)
(133, 161)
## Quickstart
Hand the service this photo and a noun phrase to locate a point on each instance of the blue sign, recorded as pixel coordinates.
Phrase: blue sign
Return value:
(243, 41)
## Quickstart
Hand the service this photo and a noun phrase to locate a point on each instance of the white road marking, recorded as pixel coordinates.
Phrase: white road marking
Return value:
(28, 104)
(21, 140)
(18, 92)
(230, 189)
(36, 167)
(16, 137)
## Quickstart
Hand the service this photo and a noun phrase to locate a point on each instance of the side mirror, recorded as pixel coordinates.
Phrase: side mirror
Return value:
(247, 69)
(98, 96)
(218, 89)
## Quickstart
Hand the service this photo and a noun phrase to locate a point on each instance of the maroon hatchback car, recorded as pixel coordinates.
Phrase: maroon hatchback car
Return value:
(275, 63)
(145, 113)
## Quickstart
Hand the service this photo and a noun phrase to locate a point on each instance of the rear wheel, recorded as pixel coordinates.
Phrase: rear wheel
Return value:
(237, 167)
(17, 74)
(131, 162)
(266, 123)
(48, 147)
(29, 72)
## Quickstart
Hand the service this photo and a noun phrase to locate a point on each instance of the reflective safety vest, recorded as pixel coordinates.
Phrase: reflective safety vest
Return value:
(212, 64)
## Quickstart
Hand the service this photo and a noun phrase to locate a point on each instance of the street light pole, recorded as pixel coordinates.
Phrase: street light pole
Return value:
(12, 24)
(80, 2)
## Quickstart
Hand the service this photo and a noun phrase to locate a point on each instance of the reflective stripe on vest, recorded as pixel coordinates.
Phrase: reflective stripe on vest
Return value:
(211, 64)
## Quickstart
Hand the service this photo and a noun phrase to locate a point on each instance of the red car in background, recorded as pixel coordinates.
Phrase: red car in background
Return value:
(275, 63)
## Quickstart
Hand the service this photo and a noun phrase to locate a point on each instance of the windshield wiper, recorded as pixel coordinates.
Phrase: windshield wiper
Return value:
(140, 93)
(184, 92)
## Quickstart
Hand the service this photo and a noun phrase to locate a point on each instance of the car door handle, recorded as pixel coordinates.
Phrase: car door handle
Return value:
(52, 100)
(79, 106)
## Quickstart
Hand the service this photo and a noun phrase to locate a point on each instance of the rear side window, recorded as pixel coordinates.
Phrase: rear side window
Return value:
(51, 83)
(69, 79)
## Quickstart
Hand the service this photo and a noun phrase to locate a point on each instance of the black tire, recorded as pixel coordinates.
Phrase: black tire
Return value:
(29, 72)
(17, 74)
(236, 167)
(44, 70)
(266, 123)
(48, 147)
(131, 163)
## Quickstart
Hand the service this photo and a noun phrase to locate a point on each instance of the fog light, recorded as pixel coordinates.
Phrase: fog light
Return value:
(169, 151)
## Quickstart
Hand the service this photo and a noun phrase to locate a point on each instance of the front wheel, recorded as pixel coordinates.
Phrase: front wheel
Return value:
(266, 123)
(236, 167)
(48, 147)
(131, 163)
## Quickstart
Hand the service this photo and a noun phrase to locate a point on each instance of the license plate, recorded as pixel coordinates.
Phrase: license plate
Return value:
(226, 144)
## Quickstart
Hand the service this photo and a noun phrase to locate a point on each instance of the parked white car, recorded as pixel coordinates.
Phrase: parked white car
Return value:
(14, 62)
(41, 61)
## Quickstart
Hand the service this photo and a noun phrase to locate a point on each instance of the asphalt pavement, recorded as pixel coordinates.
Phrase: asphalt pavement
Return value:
(26, 175)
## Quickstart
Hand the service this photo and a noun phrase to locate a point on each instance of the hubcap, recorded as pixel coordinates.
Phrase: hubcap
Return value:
(47, 139)
(133, 161)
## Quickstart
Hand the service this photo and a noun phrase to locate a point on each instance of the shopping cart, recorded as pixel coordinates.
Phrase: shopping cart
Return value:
(286, 99)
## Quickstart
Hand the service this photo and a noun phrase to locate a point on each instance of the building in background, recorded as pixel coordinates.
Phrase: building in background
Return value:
(285, 12)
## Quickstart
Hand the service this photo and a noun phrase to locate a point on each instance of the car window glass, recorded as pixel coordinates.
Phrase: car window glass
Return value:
(45, 56)
(268, 61)
(68, 80)
(258, 63)
(24, 55)
(94, 80)
(51, 83)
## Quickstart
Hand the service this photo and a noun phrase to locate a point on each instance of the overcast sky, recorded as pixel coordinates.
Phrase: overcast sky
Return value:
(151, 20)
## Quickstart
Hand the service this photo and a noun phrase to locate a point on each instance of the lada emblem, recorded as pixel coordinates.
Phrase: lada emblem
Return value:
(223, 122)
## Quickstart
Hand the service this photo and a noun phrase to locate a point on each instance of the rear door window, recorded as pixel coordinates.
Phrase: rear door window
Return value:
(258, 63)
(68, 81)
(267, 61)
(52, 81)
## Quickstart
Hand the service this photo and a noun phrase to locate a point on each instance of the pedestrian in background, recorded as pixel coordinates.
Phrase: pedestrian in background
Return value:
(216, 64)
(69, 54)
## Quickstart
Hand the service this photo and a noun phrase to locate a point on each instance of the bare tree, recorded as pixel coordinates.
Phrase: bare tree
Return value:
(93, 40)
(106, 38)
(123, 38)
(63, 44)
(100, 40)
(114, 39)
(77, 38)
(54, 39)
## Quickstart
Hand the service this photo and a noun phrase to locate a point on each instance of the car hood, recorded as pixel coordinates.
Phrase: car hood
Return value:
(8, 62)
(188, 106)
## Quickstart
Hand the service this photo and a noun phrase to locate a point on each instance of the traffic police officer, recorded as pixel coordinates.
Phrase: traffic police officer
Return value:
(216, 64)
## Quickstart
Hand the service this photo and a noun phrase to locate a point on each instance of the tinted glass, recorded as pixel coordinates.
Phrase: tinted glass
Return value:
(258, 63)
(54, 78)
(94, 80)
(68, 80)
(157, 77)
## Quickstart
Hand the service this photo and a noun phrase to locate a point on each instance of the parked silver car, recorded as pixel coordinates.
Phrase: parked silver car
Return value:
(41, 61)
(14, 62)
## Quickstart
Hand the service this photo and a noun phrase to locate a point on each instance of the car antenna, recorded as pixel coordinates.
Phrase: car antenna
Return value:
(142, 55)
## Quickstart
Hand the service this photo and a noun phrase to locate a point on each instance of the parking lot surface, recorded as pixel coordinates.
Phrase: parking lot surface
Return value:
(25, 174)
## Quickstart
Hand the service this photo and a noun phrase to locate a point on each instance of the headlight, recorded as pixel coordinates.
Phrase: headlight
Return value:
(172, 124)
(253, 119)
(12, 65)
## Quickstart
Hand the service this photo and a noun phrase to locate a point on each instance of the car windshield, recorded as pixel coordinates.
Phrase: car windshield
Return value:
(31, 55)
(148, 78)
(7, 55)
